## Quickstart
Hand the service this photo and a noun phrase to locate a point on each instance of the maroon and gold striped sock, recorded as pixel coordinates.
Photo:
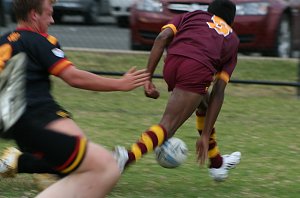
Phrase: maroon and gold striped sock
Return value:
(150, 139)
(214, 155)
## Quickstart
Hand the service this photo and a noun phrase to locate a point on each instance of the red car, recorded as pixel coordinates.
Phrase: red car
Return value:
(270, 27)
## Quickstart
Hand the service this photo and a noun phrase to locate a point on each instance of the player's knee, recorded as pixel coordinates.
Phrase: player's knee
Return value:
(100, 160)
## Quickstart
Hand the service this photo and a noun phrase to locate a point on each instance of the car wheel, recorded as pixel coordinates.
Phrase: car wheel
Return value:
(91, 16)
(139, 47)
(284, 38)
(135, 47)
(57, 17)
(123, 21)
(13, 16)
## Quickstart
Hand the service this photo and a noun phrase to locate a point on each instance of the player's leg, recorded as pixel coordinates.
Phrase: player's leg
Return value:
(9, 161)
(46, 177)
(89, 170)
(65, 126)
(214, 154)
(219, 165)
(95, 177)
(180, 107)
(14, 161)
(53, 118)
(187, 81)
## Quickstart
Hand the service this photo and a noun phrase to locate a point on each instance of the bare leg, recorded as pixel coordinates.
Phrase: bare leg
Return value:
(180, 107)
(95, 177)
(202, 108)
(214, 154)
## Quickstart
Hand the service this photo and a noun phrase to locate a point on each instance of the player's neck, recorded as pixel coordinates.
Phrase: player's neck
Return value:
(28, 26)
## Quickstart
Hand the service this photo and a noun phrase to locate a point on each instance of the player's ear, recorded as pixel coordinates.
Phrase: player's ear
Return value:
(32, 15)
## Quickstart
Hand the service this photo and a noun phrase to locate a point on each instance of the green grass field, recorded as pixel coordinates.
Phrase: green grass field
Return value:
(261, 121)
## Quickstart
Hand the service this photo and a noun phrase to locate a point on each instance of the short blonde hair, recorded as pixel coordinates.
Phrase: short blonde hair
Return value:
(23, 7)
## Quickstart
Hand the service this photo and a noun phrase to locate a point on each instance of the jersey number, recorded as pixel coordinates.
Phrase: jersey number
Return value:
(220, 26)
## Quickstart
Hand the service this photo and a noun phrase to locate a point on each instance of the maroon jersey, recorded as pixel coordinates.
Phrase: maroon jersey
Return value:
(205, 38)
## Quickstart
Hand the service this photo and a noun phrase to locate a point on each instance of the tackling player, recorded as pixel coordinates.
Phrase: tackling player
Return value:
(50, 141)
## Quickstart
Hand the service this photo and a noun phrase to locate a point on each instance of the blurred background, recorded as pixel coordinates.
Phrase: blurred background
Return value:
(265, 27)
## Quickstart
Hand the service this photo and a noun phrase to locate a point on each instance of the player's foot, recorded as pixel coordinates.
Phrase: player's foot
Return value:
(9, 162)
(12, 91)
(121, 155)
(43, 181)
(229, 162)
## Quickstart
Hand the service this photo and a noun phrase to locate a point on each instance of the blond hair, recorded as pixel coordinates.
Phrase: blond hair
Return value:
(23, 7)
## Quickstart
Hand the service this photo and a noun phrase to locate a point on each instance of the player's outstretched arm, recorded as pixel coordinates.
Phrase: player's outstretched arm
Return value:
(134, 78)
(86, 80)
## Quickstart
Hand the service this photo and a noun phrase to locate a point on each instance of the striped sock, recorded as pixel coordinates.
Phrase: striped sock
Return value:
(214, 155)
(150, 139)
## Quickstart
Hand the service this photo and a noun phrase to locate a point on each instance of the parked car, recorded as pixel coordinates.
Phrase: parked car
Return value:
(89, 9)
(268, 26)
(7, 5)
(9, 10)
(120, 10)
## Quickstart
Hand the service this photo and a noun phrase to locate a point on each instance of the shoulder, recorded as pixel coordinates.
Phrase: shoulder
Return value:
(35, 37)
(53, 40)
(10, 36)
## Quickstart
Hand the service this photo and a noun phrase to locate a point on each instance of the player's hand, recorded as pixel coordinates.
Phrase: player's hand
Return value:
(150, 90)
(134, 78)
(202, 149)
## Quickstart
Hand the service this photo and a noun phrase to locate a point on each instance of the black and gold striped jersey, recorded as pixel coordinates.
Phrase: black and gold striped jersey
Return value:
(45, 58)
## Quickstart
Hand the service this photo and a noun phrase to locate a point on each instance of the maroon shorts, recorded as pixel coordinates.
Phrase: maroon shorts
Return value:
(187, 74)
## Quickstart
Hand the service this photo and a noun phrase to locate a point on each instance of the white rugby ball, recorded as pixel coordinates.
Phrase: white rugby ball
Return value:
(172, 153)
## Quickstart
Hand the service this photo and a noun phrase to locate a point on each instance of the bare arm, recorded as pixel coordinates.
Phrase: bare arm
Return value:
(89, 81)
(215, 104)
(160, 43)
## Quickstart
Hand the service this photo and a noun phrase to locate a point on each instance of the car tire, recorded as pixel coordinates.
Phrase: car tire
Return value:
(135, 47)
(13, 16)
(57, 17)
(123, 21)
(139, 47)
(283, 46)
(91, 15)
